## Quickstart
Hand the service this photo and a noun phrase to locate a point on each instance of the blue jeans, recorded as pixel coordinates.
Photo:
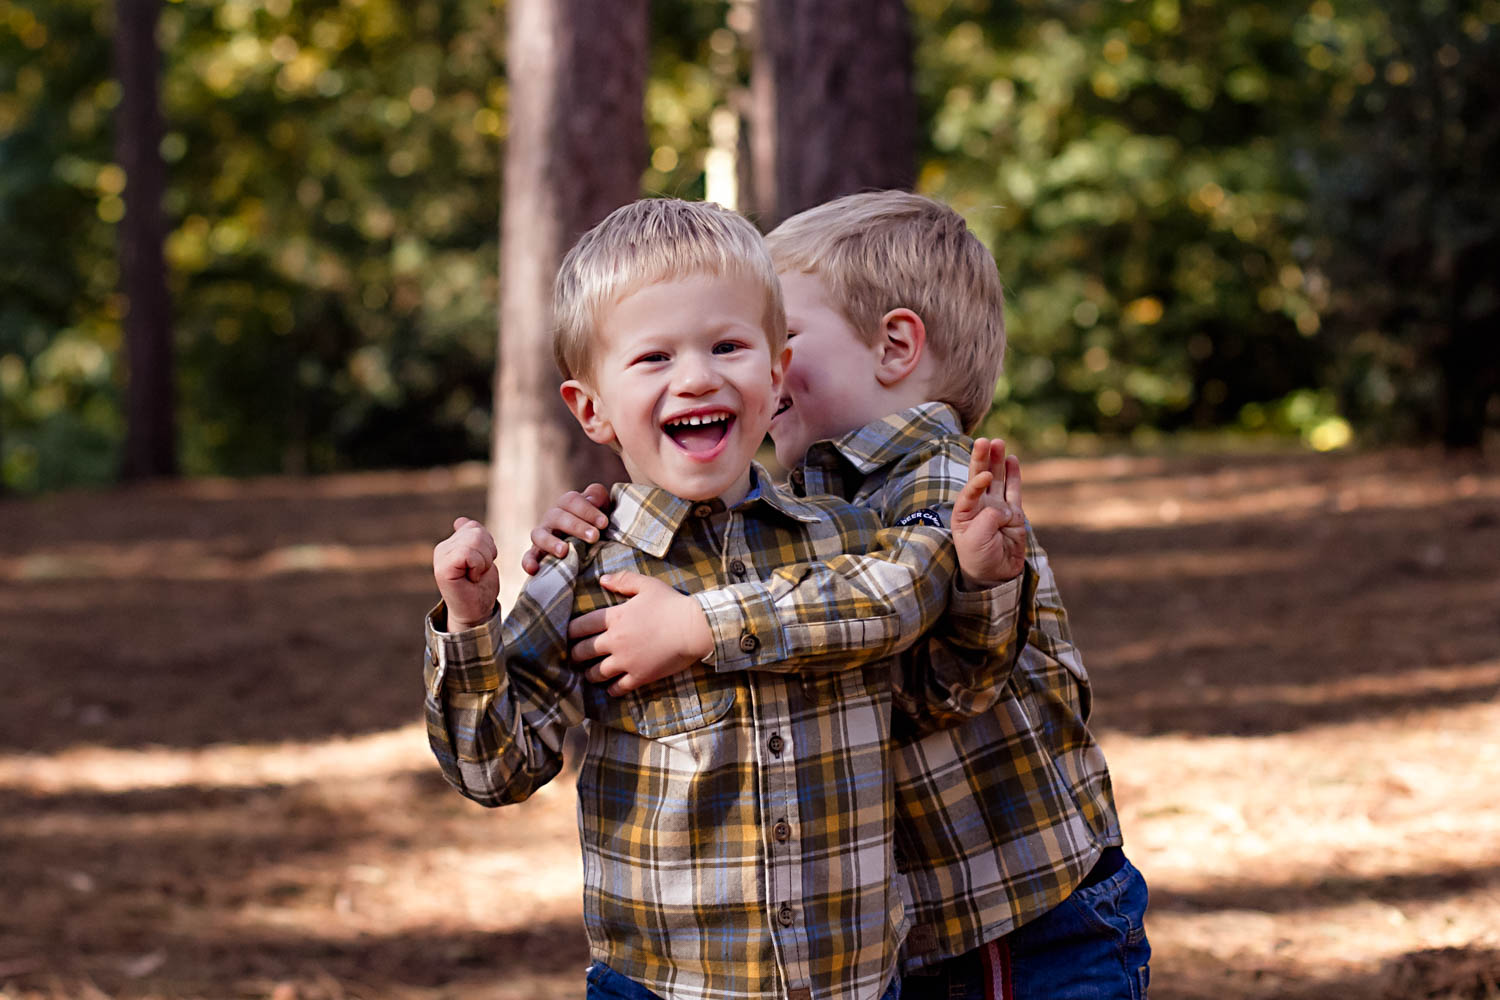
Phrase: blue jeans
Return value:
(1092, 946)
(607, 984)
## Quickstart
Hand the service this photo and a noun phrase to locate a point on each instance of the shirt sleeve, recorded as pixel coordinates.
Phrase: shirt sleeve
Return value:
(852, 609)
(838, 613)
(960, 669)
(946, 679)
(1050, 654)
(500, 697)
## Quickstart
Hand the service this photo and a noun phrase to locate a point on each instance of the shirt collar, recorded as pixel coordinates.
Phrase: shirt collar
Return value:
(648, 518)
(882, 441)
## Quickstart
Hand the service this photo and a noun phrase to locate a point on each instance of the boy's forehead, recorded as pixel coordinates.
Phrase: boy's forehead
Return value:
(678, 304)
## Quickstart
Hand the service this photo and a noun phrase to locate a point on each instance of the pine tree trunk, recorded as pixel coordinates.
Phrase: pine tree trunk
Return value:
(841, 92)
(151, 434)
(576, 150)
(1468, 359)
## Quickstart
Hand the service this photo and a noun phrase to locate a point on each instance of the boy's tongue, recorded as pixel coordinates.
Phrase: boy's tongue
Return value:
(701, 438)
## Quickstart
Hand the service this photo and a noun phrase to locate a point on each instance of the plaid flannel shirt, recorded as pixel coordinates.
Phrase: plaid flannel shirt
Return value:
(736, 824)
(1000, 817)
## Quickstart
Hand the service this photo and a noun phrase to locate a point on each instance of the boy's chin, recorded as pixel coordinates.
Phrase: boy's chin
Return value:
(788, 455)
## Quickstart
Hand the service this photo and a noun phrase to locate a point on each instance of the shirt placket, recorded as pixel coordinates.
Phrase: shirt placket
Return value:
(780, 820)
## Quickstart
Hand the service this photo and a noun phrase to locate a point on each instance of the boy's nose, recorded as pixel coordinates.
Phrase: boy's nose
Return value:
(695, 377)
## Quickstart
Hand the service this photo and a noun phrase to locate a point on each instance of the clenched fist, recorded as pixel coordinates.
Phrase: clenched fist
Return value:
(463, 564)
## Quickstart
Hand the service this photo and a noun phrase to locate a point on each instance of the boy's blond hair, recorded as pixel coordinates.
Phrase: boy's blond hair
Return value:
(644, 242)
(886, 250)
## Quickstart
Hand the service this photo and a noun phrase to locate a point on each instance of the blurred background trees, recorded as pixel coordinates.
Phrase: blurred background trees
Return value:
(151, 391)
(1265, 218)
(575, 149)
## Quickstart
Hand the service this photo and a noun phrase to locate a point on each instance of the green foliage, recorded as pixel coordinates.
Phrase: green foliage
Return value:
(1407, 181)
(335, 185)
(1267, 217)
(59, 314)
(333, 201)
(1130, 165)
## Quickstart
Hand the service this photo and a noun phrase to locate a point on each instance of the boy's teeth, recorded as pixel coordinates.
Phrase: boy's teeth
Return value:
(697, 421)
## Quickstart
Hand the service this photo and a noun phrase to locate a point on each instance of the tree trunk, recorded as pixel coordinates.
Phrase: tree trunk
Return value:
(840, 86)
(576, 149)
(1468, 360)
(151, 433)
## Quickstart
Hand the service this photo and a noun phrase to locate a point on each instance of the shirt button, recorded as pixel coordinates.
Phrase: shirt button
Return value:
(702, 510)
(784, 915)
(782, 830)
(776, 743)
(748, 642)
(737, 567)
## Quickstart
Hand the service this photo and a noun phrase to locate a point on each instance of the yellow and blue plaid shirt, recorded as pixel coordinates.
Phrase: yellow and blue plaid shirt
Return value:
(736, 822)
(1001, 816)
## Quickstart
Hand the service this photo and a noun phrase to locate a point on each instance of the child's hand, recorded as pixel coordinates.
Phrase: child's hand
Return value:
(464, 566)
(655, 634)
(579, 515)
(989, 527)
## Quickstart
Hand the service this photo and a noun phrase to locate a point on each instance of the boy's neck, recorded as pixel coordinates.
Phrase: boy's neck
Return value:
(913, 390)
(900, 398)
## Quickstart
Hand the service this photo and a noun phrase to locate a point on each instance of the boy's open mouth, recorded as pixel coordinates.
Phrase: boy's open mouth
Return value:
(699, 433)
(782, 407)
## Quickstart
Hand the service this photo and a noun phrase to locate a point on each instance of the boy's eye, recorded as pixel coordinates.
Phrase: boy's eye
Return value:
(790, 333)
(652, 358)
(726, 347)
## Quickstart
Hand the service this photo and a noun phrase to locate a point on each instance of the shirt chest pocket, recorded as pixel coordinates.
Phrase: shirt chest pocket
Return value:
(676, 705)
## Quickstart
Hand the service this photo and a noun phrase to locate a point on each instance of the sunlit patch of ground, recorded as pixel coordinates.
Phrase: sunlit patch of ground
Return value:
(1320, 857)
(213, 782)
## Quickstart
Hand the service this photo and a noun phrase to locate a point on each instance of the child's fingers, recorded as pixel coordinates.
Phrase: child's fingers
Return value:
(543, 540)
(604, 670)
(987, 521)
(587, 648)
(997, 457)
(578, 525)
(625, 582)
(1014, 535)
(548, 537)
(979, 458)
(454, 558)
(971, 496)
(1012, 486)
(586, 625)
(531, 561)
(467, 531)
(477, 562)
(583, 507)
(626, 684)
(597, 494)
(467, 525)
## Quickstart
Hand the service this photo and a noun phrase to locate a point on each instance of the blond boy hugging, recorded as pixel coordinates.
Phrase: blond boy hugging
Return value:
(736, 817)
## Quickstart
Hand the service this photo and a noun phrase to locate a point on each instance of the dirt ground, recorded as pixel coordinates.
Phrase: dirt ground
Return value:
(213, 782)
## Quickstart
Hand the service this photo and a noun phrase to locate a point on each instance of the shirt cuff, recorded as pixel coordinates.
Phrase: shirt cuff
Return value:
(467, 660)
(985, 619)
(745, 629)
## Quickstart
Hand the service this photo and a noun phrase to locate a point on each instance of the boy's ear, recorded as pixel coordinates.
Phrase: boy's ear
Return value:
(903, 339)
(585, 409)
